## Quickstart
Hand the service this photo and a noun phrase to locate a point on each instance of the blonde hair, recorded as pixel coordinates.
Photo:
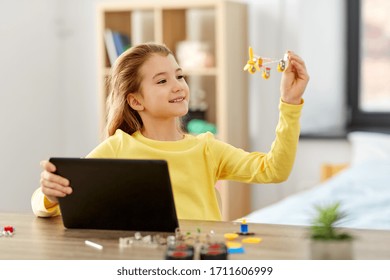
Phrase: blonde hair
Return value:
(126, 79)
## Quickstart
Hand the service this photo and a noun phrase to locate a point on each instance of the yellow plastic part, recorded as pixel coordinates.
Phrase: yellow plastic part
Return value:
(253, 240)
(281, 66)
(266, 74)
(260, 62)
(233, 244)
(230, 236)
(250, 54)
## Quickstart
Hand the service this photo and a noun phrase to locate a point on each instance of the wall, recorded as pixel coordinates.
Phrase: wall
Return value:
(30, 111)
(48, 86)
(48, 90)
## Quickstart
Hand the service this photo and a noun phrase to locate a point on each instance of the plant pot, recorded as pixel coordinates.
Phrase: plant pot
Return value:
(331, 249)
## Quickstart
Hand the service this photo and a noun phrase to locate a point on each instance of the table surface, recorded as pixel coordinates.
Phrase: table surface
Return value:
(47, 239)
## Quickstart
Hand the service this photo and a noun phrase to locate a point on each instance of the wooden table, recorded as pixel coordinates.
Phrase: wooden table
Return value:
(46, 239)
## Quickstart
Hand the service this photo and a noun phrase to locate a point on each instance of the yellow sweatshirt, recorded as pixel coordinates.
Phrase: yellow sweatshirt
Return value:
(196, 163)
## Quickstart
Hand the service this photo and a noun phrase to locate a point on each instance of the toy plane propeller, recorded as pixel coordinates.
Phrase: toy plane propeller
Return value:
(258, 63)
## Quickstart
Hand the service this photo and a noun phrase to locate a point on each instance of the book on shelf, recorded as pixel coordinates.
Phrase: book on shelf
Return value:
(122, 42)
(116, 44)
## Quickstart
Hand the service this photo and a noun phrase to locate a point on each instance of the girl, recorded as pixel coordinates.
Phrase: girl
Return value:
(149, 95)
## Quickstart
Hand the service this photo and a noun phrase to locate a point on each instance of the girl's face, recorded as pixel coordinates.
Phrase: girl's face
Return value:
(165, 93)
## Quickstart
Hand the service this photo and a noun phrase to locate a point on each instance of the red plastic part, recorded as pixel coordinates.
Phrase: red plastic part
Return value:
(9, 229)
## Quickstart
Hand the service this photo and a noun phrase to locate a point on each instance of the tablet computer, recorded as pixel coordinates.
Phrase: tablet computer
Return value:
(117, 194)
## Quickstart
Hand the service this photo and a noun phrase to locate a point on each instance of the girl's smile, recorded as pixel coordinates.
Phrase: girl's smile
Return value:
(176, 100)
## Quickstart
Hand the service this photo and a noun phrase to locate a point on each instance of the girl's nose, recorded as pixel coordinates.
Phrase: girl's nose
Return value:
(177, 86)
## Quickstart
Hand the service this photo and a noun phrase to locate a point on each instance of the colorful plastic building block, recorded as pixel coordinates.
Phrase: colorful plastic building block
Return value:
(257, 63)
(244, 228)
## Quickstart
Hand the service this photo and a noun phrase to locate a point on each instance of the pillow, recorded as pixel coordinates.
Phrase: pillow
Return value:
(369, 146)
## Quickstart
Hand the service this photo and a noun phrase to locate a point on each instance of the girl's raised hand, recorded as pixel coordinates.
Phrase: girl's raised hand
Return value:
(294, 80)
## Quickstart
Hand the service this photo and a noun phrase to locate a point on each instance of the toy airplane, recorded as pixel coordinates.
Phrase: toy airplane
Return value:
(256, 63)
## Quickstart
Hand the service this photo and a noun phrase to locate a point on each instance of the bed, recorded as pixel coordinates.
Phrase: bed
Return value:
(363, 190)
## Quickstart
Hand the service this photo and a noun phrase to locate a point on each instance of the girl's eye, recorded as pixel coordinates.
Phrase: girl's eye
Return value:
(162, 81)
(181, 77)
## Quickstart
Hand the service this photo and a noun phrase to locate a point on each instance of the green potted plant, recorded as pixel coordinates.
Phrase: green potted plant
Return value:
(327, 240)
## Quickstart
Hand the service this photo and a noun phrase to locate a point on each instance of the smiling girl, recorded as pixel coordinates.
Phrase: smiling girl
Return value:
(148, 97)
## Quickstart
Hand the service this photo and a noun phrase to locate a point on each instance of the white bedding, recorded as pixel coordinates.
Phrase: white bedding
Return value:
(363, 191)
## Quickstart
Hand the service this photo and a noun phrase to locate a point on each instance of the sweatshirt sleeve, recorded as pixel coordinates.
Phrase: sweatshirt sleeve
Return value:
(257, 167)
(42, 207)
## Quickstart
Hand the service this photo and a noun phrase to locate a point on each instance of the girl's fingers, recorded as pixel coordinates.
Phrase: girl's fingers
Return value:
(298, 64)
(53, 185)
(50, 193)
(297, 58)
(48, 187)
(51, 177)
(300, 69)
(48, 166)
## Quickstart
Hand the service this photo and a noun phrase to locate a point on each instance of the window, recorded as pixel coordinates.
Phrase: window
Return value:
(368, 65)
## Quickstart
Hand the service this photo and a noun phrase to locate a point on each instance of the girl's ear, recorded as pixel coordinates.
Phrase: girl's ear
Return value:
(134, 103)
